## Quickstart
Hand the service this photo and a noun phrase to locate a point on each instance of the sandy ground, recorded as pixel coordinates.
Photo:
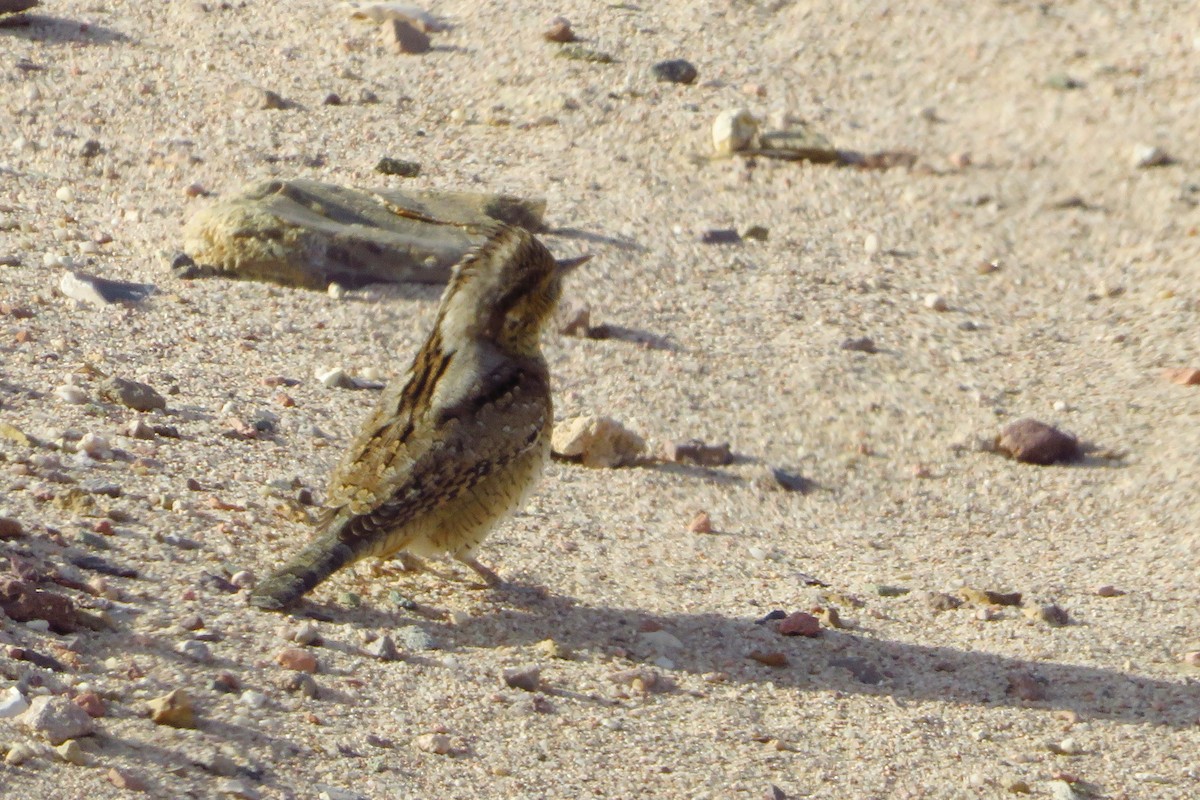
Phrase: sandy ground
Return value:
(739, 343)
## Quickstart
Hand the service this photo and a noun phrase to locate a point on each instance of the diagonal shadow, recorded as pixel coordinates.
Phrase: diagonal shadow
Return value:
(839, 660)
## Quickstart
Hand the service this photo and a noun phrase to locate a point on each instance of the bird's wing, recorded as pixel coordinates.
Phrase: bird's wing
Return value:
(417, 458)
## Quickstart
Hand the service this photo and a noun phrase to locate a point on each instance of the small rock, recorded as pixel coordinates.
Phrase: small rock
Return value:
(258, 98)
(174, 709)
(253, 699)
(57, 719)
(1108, 590)
(70, 752)
(577, 52)
(91, 703)
(757, 233)
(134, 394)
(863, 344)
(1053, 615)
(302, 683)
(676, 70)
(597, 442)
(332, 99)
(336, 378)
(800, 624)
(69, 393)
(660, 640)
(381, 12)
(402, 37)
(197, 651)
(871, 244)
(125, 780)
(243, 579)
(733, 130)
(100, 291)
(770, 659)
(398, 167)
(383, 649)
(700, 523)
(936, 302)
(23, 601)
(296, 659)
(1064, 790)
(1067, 747)
(1183, 377)
(883, 590)
(528, 679)
(11, 528)
(1063, 82)
(1036, 442)
(559, 30)
(306, 633)
(413, 638)
(19, 753)
(137, 429)
(694, 451)
(95, 445)
(65, 194)
(1145, 156)
(549, 648)
(960, 159)
(1192, 659)
(438, 743)
(12, 703)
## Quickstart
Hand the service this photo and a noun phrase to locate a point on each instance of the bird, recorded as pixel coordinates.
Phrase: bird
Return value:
(458, 442)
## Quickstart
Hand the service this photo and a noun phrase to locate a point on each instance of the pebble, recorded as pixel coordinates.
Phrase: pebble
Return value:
(438, 743)
(1034, 442)
(701, 523)
(173, 709)
(65, 194)
(18, 754)
(300, 682)
(1053, 615)
(790, 481)
(527, 679)
(57, 719)
(1192, 658)
(336, 378)
(91, 703)
(1108, 590)
(197, 651)
(414, 638)
(132, 394)
(12, 703)
(720, 236)
(940, 601)
(936, 302)
(733, 130)
(306, 633)
(69, 393)
(1183, 377)
(757, 233)
(383, 649)
(254, 699)
(862, 344)
(884, 590)
(549, 648)
(559, 30)
(402, 37)
(597, 442)
(11, 528)
(70, 752)
(1026, 686)
(297, 659)
(100, 291)
(1145, 156)
(862, 670)
(125, 780)
(800, 624)
(871, 244)
(397, 167)
(95, 445)
(676, 70)
(1067, 747)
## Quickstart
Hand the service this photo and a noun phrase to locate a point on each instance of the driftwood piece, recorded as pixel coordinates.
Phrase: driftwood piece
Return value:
(309, 234)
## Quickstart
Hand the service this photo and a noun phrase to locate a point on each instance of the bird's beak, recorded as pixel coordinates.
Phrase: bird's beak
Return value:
(568, 265)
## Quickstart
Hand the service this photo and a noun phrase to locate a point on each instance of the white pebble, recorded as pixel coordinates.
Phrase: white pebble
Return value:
(936, 302)
(93, 444)
(71, 394)
(307, 633)
(254, 699)
(733, 130)
(12, 703)
(1145, 155)
(871, 244)
(54, 260)
(66, 194)
(197, 651)
(243, 579)
(336, 290)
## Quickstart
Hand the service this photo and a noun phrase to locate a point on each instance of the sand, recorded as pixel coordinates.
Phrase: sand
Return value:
(1086, 304)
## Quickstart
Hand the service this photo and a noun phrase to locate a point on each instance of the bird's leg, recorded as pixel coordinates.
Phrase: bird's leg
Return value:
(490, 579)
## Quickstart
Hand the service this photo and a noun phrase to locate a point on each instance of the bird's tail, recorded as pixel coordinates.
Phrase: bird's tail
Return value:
(324, 556)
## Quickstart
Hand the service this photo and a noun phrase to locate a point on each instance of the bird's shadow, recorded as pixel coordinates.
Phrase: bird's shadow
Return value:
(851, 662)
